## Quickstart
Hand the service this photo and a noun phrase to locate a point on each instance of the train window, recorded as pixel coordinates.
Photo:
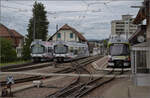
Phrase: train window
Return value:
(60, 49)
(37, 49)
(58, 35)
(119, 49)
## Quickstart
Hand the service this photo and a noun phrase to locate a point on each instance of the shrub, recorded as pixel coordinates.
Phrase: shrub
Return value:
(8, 52)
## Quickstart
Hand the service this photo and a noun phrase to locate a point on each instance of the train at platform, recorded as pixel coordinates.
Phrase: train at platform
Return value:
(118, 52)
(68, 51)
(41, 50)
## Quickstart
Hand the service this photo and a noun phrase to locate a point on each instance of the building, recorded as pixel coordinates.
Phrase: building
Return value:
(13, 35)
(94, 47)
(123, 27)
(139, 36)
(140, 52)
(67, 33)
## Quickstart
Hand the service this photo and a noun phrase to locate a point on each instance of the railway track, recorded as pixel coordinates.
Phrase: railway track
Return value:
(30, 66)
(78, 89)
(32, 78)
(95, 84)
(5, 68)
(73, 85)
(76, 84)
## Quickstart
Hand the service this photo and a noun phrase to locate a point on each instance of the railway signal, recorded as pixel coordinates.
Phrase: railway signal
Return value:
(10, 81)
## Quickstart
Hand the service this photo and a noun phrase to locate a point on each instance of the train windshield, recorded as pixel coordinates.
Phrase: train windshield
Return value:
(38, 49)
(119, 49)
(60, 49)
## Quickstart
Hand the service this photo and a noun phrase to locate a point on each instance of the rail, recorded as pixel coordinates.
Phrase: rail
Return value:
(79, 88)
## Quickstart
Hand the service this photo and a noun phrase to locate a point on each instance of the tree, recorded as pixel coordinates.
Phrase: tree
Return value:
(8, 53)
(105, 42)
(38, 24)
(40, 21)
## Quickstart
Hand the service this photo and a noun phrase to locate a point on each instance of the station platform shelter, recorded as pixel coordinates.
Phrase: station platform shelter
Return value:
(140, 63)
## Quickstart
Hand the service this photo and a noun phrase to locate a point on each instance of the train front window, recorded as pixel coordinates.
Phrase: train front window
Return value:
(38, 49)
(119, 49)
(60, 49)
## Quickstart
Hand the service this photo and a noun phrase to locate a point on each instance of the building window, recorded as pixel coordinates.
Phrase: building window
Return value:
(71, 35)
(58, 35)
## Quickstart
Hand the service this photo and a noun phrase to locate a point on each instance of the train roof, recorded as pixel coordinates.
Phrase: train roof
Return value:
(45, 43)
(71, 43)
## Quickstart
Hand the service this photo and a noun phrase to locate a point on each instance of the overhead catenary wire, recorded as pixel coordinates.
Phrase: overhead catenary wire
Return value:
(85, 12)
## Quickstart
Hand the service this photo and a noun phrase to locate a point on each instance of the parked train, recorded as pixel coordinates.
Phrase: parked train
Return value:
(41, 50)
(68, 51)
(119, 52)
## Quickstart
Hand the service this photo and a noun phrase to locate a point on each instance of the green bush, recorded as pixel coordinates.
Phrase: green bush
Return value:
(8, 52)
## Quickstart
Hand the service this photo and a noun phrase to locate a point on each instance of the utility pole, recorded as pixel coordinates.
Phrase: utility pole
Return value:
(56, 27)
(34, 26)
(34, 22)
(126, 29)
(147, 12)
(56, 31)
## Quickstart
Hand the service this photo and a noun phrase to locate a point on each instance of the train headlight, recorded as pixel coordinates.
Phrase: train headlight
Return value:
(127, 59)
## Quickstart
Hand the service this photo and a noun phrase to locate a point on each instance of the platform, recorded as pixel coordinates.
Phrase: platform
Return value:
(126, 89)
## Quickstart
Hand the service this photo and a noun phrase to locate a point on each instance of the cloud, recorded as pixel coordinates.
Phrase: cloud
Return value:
(91, 17)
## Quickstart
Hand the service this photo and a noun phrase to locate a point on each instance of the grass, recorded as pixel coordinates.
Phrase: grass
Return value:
(15, 62)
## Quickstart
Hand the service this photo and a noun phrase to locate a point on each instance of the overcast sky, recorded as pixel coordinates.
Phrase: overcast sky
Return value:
(93, 18)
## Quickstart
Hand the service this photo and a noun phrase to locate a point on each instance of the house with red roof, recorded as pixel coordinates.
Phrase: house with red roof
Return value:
(67, 33)
(14, 36)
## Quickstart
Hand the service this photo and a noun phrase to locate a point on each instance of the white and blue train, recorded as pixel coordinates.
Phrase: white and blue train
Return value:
(41, 50)
(68, 51)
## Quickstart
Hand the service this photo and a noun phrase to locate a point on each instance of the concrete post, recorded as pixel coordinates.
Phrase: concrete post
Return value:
(132, 62)
(148, 32)
(135, 62)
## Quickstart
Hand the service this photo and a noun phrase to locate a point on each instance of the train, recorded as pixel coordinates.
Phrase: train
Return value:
(118, 52)
(59, 51)
(41, 50)
(68, 51)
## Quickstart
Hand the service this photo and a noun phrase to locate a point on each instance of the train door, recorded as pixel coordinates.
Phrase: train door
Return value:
(71, 51)
(50, 51)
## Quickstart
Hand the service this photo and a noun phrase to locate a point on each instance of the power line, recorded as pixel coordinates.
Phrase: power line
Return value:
(81, 17)
(17, 9)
